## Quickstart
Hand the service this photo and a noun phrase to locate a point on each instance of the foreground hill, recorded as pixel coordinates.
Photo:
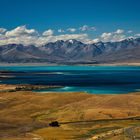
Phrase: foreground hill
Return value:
(73, 52)
(26, 112)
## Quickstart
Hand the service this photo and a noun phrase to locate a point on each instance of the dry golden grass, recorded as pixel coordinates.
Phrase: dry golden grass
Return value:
(121, 137)
(82, 131)
(7, 87)
(17, 138)
(136, 136)
(22, 112)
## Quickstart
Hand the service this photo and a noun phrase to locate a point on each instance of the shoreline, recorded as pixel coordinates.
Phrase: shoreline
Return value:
(23, 87)
(30, 87)
(55, 64)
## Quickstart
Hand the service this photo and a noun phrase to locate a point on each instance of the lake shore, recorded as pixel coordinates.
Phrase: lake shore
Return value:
(55, 64)
(23, 87)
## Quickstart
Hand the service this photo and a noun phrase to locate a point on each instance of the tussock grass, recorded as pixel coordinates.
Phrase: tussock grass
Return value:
(22, 112)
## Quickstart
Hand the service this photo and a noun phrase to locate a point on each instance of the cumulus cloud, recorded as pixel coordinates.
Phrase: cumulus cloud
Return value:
(118, 35)
(61, 31)
(130, 31)
(137, 35)
(87, 28)
(106, 36)
(84, 28)
(25, 40)
(2, 30)
(19, 35)
(25, 36)
(43, 40)
(71, 30)
(119, 31)
(48, 32)
(96, 40)
(21, 31)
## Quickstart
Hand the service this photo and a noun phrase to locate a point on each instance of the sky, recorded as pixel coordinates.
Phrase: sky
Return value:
(42, 21)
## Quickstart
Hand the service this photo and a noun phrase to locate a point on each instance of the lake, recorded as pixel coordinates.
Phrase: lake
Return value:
(91, 79)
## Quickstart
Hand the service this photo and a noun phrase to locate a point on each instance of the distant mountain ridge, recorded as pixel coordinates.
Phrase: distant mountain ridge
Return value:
(73, 52)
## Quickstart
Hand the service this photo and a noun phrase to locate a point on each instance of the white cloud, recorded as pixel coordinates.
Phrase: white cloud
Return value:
(61, 31)
(91, 41)
(71, 36)
(43, 40)
(25, 40)
(93, 28)
(113, 36)
(137, 35)
(106, 36)
(19, 35)
(130, 31)
(84, 28)
(2, 37)
(87, 28)
(2, 30)
(96, 40)
(25, 36)
(20, 31)
(48, 32)
(71, 30)
(22, 35)
(117, 38)
(119, 31)
(131, 37)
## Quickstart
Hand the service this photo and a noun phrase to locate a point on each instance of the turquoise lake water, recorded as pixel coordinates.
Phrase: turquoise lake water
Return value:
(91, 79)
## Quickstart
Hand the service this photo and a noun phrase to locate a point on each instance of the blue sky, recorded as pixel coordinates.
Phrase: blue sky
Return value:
(105, 15)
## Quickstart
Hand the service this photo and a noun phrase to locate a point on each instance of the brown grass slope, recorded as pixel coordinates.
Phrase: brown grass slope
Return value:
(22, 112)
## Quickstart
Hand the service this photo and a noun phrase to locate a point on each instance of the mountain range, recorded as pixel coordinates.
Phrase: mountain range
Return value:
(73, 52)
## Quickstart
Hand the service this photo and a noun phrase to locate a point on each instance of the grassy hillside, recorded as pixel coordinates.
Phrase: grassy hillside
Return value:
(25, 112)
